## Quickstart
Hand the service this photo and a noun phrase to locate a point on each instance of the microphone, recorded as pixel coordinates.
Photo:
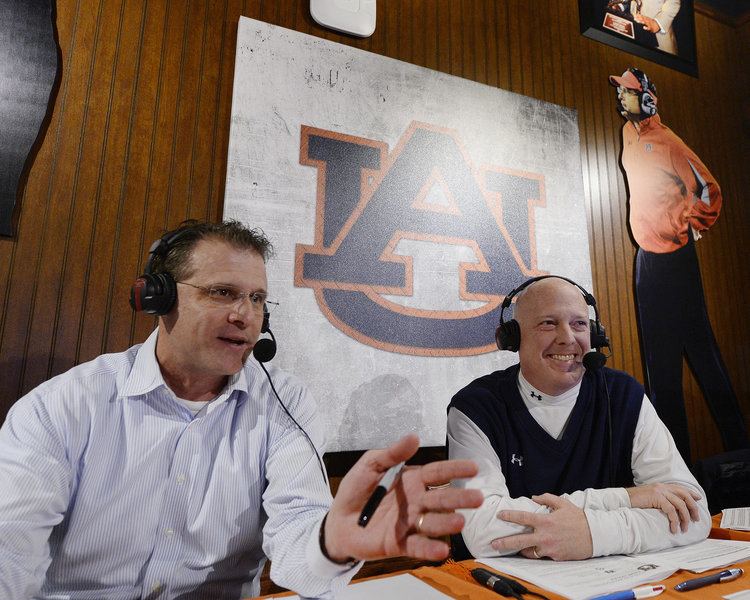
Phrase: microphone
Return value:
(265, 349)
(505, 586)
(593, 360)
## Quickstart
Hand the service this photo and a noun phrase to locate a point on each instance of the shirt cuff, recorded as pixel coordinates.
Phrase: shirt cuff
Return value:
(322, 566)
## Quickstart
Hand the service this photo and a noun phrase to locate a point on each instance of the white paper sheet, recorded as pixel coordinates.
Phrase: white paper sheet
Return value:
(581, 579)
(400, 587)
(736, 518)
(705, 555)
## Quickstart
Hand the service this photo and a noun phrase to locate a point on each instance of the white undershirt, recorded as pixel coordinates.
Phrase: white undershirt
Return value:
(194, 406)
(551, 412)
(615, 527)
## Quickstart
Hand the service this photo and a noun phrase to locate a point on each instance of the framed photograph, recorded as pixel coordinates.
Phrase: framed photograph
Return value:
(662, 31)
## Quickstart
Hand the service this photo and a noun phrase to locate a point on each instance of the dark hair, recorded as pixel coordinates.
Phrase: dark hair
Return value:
(177, 260)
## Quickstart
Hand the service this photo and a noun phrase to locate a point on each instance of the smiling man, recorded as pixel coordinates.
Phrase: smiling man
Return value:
(573, 461)
(171, 470)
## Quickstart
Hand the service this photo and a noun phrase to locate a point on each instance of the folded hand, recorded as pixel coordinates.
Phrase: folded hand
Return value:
(562, 534)
(677, 502)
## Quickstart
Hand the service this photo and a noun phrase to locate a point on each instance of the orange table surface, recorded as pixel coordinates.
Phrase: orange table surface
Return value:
(455, 580)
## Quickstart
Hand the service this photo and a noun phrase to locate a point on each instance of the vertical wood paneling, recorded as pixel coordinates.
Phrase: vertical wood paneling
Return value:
(140, 126)
(443, 36)
(133, 194)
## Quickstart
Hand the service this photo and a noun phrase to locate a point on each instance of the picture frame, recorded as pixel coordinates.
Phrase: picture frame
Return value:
(613, 23)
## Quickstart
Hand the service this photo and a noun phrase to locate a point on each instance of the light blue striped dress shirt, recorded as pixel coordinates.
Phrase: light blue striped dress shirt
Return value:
(110, 488)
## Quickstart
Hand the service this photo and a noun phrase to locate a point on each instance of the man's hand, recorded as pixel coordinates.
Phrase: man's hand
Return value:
(648, 23)
(409, 514)
(678, 503)
(563, 534)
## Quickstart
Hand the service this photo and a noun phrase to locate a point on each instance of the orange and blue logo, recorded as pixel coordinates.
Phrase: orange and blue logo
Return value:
(370, 199)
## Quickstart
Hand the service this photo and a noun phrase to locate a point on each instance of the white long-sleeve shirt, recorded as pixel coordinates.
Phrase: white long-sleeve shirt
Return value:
(616, 527)
(110, 488)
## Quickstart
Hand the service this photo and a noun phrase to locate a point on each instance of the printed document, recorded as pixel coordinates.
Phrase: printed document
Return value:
(581, 579)
(705, 555)
(736, 518)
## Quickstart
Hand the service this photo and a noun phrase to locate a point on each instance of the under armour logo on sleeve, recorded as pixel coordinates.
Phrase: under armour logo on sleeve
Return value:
(516, 459)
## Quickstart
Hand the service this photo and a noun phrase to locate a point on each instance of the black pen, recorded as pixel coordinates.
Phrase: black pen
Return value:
(385, 483)
(699, 582)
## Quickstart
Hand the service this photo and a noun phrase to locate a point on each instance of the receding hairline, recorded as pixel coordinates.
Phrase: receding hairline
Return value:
(187, 269)
(178, 260)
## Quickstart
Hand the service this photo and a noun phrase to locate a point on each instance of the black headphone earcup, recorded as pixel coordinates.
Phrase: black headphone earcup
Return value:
(648, 105)
(153, 293)
(508, 335)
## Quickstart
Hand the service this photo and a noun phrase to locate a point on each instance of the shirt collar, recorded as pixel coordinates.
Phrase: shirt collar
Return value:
(532, 396)
(145, 375)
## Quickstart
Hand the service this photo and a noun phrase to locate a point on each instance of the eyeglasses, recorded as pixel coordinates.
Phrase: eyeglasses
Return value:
(225, 295)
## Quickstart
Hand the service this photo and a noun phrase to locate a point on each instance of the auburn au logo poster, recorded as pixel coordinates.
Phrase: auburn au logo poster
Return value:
(403, 204)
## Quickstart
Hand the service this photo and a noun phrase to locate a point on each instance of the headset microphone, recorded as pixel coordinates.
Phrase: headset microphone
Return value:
(265, 349)
(508, 333)
(593, 360)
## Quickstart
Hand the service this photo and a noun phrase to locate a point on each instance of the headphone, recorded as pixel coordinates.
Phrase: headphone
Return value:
(156, 293)
(508, 333)
(647, 94)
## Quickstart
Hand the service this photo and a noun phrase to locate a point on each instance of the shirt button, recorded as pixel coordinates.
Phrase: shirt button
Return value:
(169, 532)
(181, 479)
(156, 587)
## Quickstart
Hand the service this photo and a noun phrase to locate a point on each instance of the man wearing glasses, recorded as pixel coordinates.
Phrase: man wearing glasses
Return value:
(171, 470)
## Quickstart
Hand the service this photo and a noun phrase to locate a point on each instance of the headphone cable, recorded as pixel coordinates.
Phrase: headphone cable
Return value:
(315, 450)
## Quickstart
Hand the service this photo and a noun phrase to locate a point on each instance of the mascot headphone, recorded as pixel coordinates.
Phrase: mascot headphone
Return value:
(508, 333)
(647, 93)
(637, 81)
(156, 293)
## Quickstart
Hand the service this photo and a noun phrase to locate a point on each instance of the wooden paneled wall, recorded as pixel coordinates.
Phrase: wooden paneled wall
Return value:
(138, 136)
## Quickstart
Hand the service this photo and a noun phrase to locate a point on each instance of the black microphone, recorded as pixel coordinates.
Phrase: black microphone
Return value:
(593, 360)
(265, 349)
(493, 581)
(505, 586)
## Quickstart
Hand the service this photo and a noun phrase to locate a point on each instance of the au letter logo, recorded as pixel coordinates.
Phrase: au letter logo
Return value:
(369, 200)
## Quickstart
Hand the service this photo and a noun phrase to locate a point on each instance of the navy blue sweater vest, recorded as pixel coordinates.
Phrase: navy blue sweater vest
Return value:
(532, 461)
